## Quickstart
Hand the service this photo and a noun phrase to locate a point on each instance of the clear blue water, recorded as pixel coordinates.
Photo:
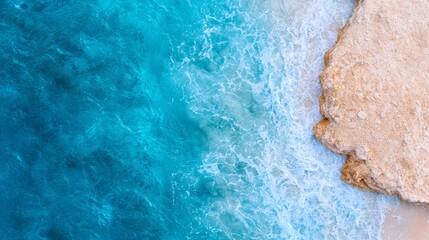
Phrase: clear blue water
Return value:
(166, 119)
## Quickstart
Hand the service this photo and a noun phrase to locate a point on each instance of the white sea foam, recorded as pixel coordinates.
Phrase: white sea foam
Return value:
(271, 178)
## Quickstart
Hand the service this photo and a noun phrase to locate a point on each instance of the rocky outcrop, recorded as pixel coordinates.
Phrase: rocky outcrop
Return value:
(375, 98)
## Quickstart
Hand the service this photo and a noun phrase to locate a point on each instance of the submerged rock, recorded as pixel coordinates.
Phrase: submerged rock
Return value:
(375, 98)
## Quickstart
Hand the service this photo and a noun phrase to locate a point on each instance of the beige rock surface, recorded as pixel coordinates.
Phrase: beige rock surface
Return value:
(375, 98)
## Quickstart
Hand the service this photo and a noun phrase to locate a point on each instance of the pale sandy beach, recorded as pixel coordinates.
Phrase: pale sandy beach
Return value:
(405, 222)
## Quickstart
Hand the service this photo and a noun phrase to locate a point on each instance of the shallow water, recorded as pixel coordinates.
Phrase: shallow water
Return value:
(171, 120)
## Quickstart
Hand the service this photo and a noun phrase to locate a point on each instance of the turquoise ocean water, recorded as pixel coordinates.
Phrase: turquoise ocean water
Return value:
(168, 119)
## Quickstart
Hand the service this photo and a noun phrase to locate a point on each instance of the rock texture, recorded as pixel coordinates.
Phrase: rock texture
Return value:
(375, 98)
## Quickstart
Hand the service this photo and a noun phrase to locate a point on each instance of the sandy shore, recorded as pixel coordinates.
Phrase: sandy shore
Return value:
(406, 222)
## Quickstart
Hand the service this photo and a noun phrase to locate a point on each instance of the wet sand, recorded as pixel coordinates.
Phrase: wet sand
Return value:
(406, 222)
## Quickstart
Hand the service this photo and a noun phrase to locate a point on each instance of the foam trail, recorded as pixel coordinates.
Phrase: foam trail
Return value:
(270, 178)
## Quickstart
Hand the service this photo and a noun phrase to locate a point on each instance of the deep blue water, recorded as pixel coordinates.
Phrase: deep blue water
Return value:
(166, 119)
